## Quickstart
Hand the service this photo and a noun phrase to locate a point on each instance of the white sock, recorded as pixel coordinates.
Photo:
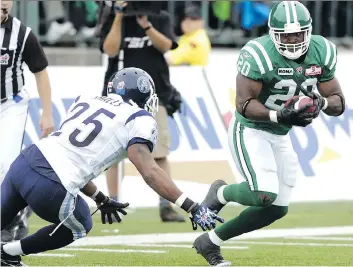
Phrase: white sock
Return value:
(13, 248)
(214, 238)
(220, 195)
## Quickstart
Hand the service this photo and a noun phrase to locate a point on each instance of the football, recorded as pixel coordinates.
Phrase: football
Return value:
(302, 101)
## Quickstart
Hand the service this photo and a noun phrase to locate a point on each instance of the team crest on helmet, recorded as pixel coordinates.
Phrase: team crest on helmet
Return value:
(143, 84)
(120, 85)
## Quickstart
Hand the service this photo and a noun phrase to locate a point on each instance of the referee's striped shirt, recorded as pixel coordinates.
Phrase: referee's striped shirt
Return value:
(18, 45)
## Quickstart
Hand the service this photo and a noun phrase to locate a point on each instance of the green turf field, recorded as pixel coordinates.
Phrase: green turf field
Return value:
(316, 234)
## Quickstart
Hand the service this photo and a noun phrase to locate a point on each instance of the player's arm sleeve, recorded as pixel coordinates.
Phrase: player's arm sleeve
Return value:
(249, 64)
(33, 54)
(330, 61)
(166, 28)
(181, 54)
(142, 129)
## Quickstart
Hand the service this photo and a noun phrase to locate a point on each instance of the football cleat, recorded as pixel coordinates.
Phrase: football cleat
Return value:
(9, 260)
(211, 200)
(210, 252)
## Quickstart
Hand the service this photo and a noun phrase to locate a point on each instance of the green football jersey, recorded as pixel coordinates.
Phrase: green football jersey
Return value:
(281, 77)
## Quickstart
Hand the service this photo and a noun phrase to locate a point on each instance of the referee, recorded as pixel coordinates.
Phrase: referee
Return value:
(19, 45)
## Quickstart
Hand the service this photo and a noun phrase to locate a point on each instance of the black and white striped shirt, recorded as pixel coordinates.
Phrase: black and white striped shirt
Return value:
(18, 45)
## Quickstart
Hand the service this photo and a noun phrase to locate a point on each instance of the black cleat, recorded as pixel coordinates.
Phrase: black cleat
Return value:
(211, 199)
(8, 260)
(210, 251)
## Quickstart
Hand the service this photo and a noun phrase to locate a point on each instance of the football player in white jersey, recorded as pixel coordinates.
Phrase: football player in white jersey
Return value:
(98, 132)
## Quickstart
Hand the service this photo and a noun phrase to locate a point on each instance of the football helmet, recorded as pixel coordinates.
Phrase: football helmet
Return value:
(290, 17)
(136, 85)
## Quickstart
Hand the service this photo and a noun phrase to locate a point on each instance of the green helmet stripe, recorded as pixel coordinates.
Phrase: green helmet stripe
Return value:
(264, 54)
(294, 10)
(286, 7)
(256, 57)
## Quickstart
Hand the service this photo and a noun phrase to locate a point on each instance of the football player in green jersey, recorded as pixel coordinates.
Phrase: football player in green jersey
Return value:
(272, 70)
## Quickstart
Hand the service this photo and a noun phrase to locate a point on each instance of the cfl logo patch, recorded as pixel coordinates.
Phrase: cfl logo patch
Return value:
(138, 42)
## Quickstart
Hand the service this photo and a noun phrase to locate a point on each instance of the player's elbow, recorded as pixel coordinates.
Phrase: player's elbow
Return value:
(110, 50)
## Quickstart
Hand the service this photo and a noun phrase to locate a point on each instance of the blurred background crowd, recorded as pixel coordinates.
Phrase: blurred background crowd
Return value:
(228, 23)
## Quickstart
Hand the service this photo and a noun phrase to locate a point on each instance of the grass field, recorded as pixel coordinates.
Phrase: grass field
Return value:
(315, 234)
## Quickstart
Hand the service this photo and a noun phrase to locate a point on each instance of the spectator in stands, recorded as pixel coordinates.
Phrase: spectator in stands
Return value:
(58, 26)
(140, 42)
(194, 45)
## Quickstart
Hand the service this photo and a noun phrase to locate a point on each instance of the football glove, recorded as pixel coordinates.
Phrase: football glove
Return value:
(319, 101)
(205, 218)
(109, 207)
(296, 117)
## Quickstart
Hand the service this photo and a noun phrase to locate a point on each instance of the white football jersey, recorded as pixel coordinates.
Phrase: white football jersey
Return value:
(95, 135)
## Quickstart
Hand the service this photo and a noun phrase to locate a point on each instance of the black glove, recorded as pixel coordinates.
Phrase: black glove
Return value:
(173, 102)
(297, 117)
(109, 207)
(319, 101)
(204, 217)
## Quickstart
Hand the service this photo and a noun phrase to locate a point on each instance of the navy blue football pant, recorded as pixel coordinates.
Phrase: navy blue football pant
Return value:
(23, 187)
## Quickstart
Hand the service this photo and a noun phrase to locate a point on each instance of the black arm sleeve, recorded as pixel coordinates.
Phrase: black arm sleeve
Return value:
(166, 28)
(33, 54)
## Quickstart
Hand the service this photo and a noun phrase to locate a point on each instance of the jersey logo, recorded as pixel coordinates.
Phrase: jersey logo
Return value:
(246, 55)
(138, 42)
(285, 71)
(299, 70)
(4, 59)
(313, 70)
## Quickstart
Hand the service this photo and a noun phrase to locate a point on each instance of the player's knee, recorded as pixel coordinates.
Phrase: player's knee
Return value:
(278, 212)
(264, 199)
(88, 224)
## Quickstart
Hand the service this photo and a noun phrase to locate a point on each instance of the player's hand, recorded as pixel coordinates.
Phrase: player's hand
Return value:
(297, 117)
(120, 6)
(205, 218)
(319, 101)
(109, 207)
(143, 21)
(46, 124)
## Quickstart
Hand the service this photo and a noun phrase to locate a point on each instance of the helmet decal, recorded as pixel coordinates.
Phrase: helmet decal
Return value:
(143, 84)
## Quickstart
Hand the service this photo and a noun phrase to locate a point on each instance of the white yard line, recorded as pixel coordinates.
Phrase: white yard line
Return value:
(59, 255)
(290, 244)
(324, 238)
(190, 237)
(116, 250)
(179, 246)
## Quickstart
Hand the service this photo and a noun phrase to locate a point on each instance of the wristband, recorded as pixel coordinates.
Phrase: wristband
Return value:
(95, 194)
(98, 196)
(147, 28)
(325, 104)
(185, 203)
(273, 116)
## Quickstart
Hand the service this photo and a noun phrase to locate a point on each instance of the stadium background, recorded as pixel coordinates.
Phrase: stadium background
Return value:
(199, 139)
